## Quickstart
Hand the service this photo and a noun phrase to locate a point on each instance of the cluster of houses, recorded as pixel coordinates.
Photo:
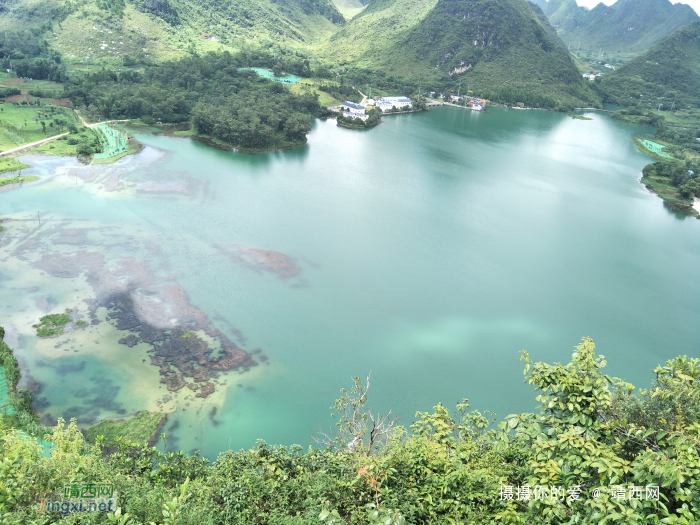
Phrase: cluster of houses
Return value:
(350, 109)
(474, 103)
(592, 76)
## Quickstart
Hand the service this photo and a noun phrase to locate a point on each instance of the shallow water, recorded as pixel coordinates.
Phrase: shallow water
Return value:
(429, 251)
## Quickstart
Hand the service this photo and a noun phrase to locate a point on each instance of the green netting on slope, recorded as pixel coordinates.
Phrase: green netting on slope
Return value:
(46, 445)
(5, 407)
(113, 142)
(266, 73)
(655, 148)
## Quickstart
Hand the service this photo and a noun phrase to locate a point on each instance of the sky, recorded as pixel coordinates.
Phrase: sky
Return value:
(695, 4)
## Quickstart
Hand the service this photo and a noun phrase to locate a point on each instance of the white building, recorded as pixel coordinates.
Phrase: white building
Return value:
(386, 103)
(352, 108)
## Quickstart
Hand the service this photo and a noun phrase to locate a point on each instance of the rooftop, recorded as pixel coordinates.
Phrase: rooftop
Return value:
(396, 99)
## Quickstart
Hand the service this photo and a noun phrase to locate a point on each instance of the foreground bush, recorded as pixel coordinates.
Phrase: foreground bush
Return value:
(592, 448)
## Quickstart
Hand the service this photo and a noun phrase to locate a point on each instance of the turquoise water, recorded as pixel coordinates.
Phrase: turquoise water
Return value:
(429, 251)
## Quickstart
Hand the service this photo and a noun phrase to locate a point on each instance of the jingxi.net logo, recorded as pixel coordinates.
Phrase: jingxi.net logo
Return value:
(82, 497)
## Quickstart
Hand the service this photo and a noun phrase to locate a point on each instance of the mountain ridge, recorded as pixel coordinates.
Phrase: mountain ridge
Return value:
(492, 45)
(667, 74)
(625, 26)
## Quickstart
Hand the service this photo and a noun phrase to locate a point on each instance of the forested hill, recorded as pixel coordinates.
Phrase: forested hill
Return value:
(668, 73)
(494, 46)
(626, 26)
(161, 29)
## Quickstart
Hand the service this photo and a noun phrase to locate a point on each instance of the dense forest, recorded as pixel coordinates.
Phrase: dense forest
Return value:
(595, 451)
(222, 101)
(27, 54)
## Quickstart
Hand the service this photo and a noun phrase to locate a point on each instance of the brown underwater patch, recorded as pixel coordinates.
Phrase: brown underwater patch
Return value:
(261, 260)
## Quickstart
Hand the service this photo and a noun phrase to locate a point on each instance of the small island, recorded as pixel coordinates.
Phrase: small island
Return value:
(367, 114)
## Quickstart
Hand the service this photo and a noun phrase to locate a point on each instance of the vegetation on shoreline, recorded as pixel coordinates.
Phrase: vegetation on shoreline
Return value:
(654, 87)
(592, 434)
(18, 179)
(350, 122)
(675, 175)
(222, 101)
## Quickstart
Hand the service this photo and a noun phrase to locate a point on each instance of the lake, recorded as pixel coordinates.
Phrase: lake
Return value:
(429, 250)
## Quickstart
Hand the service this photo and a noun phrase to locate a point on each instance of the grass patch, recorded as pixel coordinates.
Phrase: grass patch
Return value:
(52, 324)
(58, 147)
(81, 323)
(138, 429)
(10, 164)
(18, 179)
(310, 85)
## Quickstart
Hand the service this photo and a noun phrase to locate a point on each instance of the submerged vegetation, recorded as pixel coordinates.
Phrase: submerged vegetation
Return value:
(594, 442)
(52, 324)
(139, 429)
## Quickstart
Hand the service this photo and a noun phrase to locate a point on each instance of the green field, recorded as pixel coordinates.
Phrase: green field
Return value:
(21, 125)
(58, 147)
(310, 85)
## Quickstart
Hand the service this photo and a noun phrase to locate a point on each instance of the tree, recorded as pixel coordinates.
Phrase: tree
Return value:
(297, 127)
(353, 422)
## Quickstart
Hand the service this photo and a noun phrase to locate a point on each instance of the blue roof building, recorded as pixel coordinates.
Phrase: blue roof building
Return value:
(352, 105)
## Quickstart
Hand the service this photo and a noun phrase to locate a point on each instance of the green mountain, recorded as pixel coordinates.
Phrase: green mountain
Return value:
(626, 26)
(494, 46)
(93, 29)
(668, 74)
